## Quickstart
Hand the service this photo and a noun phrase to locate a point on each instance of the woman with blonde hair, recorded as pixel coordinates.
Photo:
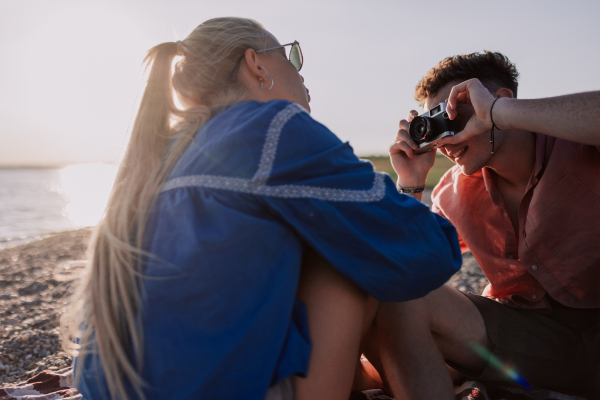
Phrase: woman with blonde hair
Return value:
(242, 238)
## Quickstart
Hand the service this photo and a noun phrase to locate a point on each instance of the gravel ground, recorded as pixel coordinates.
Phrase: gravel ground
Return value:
(36, 280)
(35, 283)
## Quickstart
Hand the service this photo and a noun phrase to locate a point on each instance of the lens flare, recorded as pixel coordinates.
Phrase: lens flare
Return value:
(508, 370)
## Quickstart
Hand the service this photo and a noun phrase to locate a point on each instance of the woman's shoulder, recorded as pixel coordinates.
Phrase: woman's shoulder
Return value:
(248, 135)
(253, 110)
(256, 127)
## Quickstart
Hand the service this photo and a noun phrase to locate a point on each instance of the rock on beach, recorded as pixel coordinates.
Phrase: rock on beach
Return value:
(36, 282)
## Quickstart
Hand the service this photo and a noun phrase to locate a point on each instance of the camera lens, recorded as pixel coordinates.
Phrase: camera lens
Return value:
(419, 129)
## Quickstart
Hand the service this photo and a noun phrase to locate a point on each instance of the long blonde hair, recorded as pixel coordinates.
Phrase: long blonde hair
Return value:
(103, 316)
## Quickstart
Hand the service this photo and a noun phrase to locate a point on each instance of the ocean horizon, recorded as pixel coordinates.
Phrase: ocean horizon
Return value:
(38, 201)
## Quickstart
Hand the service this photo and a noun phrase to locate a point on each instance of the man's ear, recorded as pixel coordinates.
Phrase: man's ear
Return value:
(504, 92)
(256, 69)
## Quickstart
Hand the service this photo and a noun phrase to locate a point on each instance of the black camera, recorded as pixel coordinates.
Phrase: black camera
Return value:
(428, 128)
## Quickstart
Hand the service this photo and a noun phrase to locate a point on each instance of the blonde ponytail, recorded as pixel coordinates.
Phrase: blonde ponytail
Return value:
(103, 316)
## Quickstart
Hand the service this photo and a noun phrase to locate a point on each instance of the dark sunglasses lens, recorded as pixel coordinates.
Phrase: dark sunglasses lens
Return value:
(296, 57)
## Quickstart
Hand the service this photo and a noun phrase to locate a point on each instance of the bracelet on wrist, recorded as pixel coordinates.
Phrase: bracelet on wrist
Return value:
(411, 189)
(493, 125)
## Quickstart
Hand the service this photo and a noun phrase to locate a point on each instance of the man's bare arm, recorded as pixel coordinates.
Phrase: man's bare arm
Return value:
(574, 117)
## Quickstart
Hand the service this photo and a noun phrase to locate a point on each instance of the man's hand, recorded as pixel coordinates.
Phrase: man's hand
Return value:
(474, 94)
(573, 117)
(411, 168)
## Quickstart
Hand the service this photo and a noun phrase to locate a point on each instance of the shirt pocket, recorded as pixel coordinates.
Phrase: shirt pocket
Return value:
(564, 218)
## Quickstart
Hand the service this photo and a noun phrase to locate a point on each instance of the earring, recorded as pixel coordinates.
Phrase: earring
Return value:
(270, 87)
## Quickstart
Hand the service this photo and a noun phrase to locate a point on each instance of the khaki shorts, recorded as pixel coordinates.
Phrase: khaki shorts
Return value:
(558, 351)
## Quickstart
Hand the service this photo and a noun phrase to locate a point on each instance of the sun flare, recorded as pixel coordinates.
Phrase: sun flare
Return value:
(86, 188)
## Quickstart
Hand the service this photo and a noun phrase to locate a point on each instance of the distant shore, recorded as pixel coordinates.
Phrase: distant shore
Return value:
(14, 242)
(36, 281)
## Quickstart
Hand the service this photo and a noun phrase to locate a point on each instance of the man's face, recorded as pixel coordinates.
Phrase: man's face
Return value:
(471, 155)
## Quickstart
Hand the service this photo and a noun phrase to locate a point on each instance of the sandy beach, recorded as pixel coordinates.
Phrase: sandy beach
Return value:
(36, 281)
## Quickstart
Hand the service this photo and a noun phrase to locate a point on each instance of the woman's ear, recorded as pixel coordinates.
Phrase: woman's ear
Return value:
(254, 65)
(504, 92)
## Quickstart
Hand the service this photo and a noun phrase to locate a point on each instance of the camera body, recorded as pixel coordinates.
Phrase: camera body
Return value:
(431, 126)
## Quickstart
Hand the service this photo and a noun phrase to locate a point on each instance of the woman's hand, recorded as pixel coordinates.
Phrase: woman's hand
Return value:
(411, 168)
(474, 94)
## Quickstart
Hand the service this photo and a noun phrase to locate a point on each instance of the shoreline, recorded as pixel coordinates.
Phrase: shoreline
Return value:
(36, 282)
(9, 243)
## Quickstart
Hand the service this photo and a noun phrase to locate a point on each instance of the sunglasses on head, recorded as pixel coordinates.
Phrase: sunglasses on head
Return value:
(294, 56)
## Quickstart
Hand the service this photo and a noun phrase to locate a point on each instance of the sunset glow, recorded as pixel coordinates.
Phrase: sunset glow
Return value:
(86, 188)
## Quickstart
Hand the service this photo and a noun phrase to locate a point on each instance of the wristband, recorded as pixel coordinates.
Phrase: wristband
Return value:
(410, 190)
(493, 125)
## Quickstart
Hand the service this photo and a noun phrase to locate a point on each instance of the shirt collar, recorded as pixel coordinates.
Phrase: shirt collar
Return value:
(489, 176)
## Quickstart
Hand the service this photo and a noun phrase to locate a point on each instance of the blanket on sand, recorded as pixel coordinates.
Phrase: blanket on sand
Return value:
(472, 390)
(58, 385)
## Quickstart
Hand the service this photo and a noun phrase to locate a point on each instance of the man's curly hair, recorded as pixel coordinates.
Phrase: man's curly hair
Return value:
(494, 70)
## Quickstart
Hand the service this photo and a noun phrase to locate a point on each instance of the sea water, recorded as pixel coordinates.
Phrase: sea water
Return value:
(38, 201)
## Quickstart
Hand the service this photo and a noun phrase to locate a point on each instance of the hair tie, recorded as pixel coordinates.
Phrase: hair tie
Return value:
(179, 44)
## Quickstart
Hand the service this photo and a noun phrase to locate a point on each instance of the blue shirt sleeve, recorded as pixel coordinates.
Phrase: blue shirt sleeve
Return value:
(388, 243)
(227, 235)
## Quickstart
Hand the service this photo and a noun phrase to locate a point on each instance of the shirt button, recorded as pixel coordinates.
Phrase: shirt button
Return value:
(534, 297)
(534, 267)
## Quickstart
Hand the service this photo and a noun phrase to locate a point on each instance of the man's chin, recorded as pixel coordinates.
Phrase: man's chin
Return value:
(465, 169)
(468, 170)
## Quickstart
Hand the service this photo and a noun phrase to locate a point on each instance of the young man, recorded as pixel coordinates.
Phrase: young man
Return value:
(530, 213)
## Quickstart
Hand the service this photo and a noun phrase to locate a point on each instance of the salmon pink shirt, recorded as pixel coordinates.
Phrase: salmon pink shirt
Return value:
(557, 250)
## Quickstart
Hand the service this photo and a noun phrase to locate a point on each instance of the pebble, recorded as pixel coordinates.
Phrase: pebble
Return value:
(470, 278)
(34, 292)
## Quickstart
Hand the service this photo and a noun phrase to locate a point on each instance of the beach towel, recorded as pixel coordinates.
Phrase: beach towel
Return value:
(49, 385)
(472, 390)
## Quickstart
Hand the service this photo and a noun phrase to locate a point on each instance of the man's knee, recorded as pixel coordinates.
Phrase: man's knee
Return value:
(445, 312)
(446, 315)
(433, 306)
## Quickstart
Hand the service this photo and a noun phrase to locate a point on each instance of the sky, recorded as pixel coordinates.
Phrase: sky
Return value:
(71, 70)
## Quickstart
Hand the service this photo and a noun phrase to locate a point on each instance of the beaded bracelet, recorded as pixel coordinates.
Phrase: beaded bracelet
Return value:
(410, 190)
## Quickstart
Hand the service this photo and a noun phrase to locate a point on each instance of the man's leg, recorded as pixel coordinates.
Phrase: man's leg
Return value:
(410, 341)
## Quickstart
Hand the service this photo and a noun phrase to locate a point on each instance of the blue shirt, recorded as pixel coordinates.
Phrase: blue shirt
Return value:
(258, 182)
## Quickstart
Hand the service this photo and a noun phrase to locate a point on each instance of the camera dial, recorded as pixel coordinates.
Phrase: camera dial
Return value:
(420, 129)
